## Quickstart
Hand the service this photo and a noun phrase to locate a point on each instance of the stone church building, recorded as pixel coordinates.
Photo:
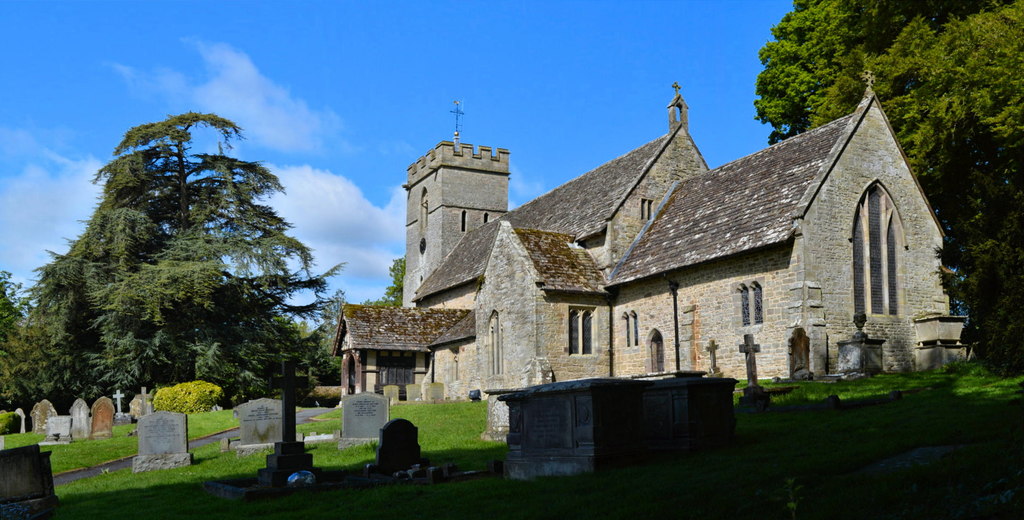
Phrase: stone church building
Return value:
(637, 267)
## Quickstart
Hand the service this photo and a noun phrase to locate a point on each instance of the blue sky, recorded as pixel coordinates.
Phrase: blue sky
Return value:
(340, 97)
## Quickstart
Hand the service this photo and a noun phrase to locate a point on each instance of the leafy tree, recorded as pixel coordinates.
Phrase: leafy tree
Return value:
(393, 294)
(182, 272)
(951, 79)
(12, 307)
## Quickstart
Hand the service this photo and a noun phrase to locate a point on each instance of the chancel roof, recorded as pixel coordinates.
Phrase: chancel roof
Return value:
(464, 329)
(394, 328)
(578, 208)
(743, 205)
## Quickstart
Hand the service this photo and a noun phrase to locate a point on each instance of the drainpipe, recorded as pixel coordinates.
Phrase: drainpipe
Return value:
(611, 334)
(674, 287)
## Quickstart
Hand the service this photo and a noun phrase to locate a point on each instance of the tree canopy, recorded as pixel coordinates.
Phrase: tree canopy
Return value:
(951, 78)
(181, 273)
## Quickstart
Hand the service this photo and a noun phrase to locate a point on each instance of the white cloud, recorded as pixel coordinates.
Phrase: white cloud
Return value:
(43, 205)
(332, 216)
(235, 88)
(522, 188)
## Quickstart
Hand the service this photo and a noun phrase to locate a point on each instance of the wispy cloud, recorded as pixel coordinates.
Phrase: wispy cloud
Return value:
(522, 188)
(234, 87)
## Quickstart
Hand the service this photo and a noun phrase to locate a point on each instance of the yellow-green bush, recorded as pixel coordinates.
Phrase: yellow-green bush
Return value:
(191, 397)
(9, 423)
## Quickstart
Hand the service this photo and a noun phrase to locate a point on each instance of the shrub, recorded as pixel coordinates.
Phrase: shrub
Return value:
(191, 397)
(9, 423)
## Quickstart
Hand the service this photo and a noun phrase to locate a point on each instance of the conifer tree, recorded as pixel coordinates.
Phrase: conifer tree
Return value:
(182, 272)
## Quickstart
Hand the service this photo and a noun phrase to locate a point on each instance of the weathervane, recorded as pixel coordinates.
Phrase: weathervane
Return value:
(458, 118)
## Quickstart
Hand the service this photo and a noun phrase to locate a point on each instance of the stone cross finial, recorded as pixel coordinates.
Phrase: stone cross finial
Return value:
(869, 78)
(749, 348)
(712, 349)
(286, 382)
(118, 396)
(675, 85)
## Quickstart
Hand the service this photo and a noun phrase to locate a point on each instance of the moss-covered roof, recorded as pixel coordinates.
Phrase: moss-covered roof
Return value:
(562, 265)
(393, 328)
(464, 329)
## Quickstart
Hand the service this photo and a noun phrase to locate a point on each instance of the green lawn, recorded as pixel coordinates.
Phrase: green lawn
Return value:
(810, 459)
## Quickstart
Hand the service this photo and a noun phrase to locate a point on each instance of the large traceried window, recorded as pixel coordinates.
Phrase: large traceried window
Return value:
(877, 235)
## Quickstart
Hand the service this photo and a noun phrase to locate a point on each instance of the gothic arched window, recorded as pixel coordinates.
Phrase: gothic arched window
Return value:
(877, 234)
(625, 316)
(494, 338)
(745, 305)
(758, 303)
(586, 332)
(574, 332)
(636, 329)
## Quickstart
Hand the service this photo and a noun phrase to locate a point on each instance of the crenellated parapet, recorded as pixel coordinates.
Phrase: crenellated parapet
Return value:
(462, 155)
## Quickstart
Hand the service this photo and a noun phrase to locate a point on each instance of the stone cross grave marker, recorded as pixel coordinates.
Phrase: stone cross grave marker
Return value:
(399, 447)
(21, 413)
(81, 423)
(259, 421)
(750, 349)
(118, 396)
(102, 418)
(41, 413)
(147, 402)
(289, 455)
(712, 349)
(362, 417)
(163, 442)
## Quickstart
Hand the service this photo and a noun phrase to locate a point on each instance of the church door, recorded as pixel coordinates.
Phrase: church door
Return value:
(656, 349)
(396, 368)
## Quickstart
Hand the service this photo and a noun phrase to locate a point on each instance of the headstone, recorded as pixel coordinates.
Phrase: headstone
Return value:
(102, 418)
(799, 355)
(147, 402)
(40, 414)
(362, 417)
(259, 421)
(81, 423)
(135, 407)
(391, 392)
(21, 413)
(497, 415)
(26, 480)
(121, 417)
(163, 442)
(573, 427)
(435, 392)
(399, 447)
(289, 455)
(413, 393)
(860, 354)
(58, 430)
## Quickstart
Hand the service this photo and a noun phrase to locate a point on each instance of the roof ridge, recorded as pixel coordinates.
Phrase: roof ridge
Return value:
(795, 139)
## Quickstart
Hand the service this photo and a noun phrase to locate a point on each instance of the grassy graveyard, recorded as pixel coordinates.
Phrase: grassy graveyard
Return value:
(785, 464)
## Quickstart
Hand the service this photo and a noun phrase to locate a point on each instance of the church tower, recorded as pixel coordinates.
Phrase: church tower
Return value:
(450, 191)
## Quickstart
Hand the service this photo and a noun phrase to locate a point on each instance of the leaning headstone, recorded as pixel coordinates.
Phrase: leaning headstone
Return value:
(163, 442)
(362, 417)
(399, 447)
(259, 422)
(21, 413)
(413, 393)
(102, 418)
(58, 430)
(41, 413)
(391, 392)
(26, 481)
(81, 423)
(435, 392)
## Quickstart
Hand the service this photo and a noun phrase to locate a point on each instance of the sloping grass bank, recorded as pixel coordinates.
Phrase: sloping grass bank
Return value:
(810, 461)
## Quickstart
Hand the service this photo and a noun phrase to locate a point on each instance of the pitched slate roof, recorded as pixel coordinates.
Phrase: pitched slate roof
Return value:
(464, 329)
(740, 206)
(394, 328)
(579, 208)
(561, 267)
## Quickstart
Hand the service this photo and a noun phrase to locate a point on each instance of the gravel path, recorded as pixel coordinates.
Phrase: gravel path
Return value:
(302, 416)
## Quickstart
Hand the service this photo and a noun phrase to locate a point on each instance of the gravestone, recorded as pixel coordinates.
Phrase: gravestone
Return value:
(102, 418)
(81, 423)
(391, 392)
(21, 414)
(289, 455)
(3, 442)
(41, 413)
(497, 415)
(58, 430)
(362, 417)
(120, 417)
(435, 392)
(860, 354)
(573, 427)
(26, 480)
(399, 447)
(689, 413)
(712, 349)
(799, 355)
(163, 442)
(753, 393)
(259, 424)
(135, 407)
(413, 393)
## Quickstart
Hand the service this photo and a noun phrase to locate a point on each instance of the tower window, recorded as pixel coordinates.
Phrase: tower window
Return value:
(646, 209)
(424, 210)
(463, 221)
(876, 237)
(486, 216)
